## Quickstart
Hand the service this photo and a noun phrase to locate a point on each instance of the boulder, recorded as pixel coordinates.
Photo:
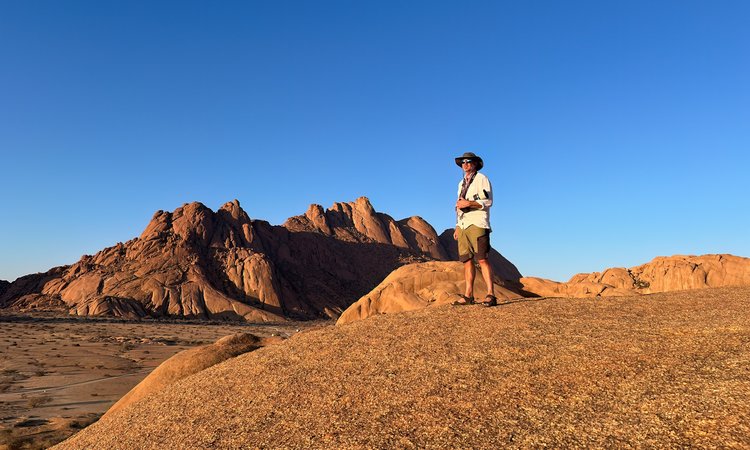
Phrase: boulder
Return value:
(421, 285)
(188, 362)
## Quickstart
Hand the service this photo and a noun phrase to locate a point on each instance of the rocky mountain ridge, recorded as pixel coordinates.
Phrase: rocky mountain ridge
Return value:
(662, 274)
(197, 263)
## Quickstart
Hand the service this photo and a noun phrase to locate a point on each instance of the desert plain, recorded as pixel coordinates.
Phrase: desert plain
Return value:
(60, 373)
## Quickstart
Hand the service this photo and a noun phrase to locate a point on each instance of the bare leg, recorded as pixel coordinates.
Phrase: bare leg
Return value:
(469, 274)
(487, 275)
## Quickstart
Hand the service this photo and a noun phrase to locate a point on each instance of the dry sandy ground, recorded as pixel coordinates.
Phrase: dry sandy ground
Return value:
(663, 370)
(60, 373)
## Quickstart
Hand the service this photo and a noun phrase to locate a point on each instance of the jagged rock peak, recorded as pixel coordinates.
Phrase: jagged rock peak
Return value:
(235, 210)
(363, 204)
(359, 221)
(229, 226)
(160, 223)
(187, 214)
(317, 216)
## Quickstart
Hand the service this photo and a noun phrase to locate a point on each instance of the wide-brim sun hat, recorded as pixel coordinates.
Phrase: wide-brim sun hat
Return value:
(472, 156)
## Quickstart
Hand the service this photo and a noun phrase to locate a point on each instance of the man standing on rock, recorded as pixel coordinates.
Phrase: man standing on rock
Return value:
(473, 227)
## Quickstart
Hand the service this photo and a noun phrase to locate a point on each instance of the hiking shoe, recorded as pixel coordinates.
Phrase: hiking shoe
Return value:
(464, 300)
(490, 300)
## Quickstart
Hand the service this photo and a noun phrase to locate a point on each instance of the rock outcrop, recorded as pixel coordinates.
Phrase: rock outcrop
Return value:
(4, 285)
(662, 274)
(421, 285)
(197, 263)
(668, 371)
(26, 291)
(191, 361)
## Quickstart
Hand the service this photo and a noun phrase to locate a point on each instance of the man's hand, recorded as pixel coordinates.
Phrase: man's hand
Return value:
(463, 203)
(455, 234)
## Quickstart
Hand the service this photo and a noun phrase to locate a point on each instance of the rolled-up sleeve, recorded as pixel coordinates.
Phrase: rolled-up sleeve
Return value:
(485, 189)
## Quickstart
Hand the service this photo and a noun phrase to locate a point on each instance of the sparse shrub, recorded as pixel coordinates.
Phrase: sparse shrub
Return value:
(35, 402)
(126, 347)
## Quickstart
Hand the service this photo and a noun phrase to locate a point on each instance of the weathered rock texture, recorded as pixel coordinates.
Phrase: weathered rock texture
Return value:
(421, 285)
(667, 371)
(197, 263)
(662, 274)
(191, 361)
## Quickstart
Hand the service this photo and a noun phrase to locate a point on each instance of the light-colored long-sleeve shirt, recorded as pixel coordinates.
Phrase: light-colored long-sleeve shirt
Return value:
(480, 191)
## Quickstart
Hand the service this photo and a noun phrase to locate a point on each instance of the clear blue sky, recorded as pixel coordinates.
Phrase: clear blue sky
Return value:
(613, 132)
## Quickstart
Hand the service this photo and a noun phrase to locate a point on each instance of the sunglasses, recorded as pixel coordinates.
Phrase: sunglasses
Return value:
(464, 161)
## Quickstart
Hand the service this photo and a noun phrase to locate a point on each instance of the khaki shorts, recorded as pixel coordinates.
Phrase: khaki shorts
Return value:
(473, 242)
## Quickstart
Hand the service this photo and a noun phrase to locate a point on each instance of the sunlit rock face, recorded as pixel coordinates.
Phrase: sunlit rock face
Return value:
(662, 274)
(423, 285)
(197, 263)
